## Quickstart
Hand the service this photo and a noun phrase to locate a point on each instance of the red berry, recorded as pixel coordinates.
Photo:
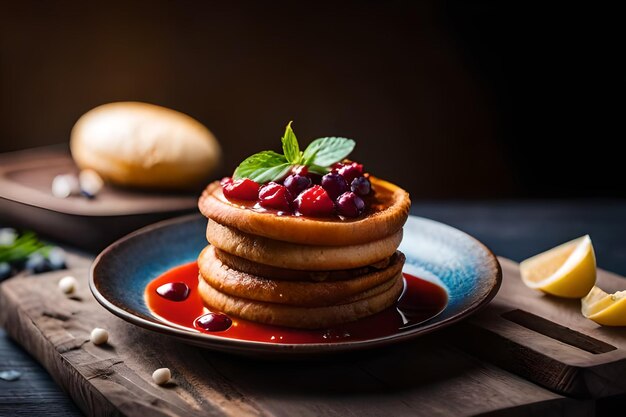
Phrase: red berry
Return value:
(214, 322)
(334, 184)
(275, 196)
(315, 202)
(350, 205)
(225, 181)
(243, 189)
(297, 183)
(336, 166)
(174, 291)
(300, 170)
(351, 171)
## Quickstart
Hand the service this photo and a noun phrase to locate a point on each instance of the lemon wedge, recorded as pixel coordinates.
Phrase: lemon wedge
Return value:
(605, 309)
(569, 270)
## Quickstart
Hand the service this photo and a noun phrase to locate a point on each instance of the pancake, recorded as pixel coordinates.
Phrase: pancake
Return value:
(387, 212)
(271, 272)
(301, 257)
(299, 293)
(299, 317)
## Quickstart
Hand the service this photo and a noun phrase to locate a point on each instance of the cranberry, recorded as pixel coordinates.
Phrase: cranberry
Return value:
(214, 322)
(350, 205)
(337, 166)
(275, 196)
(243, 189)
(297, 183)
(315, 202)
(300, 170)
(351, 171)
(361, 186)
(174, 291)
(334, 184)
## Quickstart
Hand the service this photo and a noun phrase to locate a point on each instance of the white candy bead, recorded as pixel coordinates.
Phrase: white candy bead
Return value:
(99, 336)
(68, 284)
(161, 376)
(65, 185)
(90, 182)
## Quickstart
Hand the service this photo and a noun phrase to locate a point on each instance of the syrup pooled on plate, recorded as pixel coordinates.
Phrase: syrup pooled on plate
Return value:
(421, 300)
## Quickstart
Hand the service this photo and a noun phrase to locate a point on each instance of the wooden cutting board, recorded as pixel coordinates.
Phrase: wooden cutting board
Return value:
(26, 201)
(547, 340)
(428, 376)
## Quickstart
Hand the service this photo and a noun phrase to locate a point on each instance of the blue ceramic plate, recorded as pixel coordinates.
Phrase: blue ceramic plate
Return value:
(462, 265)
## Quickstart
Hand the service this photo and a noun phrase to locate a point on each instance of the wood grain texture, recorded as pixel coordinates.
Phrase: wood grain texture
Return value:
(422, 377)
(559, 349)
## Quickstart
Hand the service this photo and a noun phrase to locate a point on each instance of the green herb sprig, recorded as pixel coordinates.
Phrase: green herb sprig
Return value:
(269, 166)
(22, 247)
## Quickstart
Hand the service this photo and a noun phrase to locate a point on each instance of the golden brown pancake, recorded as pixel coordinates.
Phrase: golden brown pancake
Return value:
(387, 212)
(303, 257)
(298, 293)
(299, 317)
(271, 272)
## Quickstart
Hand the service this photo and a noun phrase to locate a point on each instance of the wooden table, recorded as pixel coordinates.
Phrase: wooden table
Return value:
(512, 229)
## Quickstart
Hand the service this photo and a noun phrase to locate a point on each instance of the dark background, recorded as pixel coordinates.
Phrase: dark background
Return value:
(451, 99)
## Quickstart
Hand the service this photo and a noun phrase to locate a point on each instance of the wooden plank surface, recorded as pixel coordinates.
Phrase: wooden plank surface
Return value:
(424, 377)
(547, 340)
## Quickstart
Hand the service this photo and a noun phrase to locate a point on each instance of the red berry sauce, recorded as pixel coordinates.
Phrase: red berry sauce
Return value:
(420, 301)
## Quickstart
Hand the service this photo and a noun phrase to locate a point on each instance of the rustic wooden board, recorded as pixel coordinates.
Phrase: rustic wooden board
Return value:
(423, 377)
(26, 201)
(547, 340)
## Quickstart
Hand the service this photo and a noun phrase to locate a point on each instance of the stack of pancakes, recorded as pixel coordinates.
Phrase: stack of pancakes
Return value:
(302, 272)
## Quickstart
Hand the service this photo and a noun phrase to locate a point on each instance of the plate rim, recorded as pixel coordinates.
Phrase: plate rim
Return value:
(237, 345)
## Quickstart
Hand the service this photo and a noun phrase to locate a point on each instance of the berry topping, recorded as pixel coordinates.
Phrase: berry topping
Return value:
(334, 184)
(350, 205)
(337, 166)
(351, 171)
(296, 183)
(315, 202)
(361, 186)
(243, 189)
(275, 196)
(300, 170)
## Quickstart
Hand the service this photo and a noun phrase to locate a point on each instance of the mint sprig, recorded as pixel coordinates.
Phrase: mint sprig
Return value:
(269, 166)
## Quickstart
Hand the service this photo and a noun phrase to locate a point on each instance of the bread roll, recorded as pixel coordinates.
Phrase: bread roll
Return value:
(142, 145)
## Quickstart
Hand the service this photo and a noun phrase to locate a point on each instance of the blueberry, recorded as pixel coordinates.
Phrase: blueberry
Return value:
(56, 258)
(334, 184)
(5, 270)
(37, 263)
(361, 186)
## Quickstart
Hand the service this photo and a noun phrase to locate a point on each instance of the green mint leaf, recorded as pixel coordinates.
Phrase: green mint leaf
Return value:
(326, 151)
(263, 167)
(291, 149)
